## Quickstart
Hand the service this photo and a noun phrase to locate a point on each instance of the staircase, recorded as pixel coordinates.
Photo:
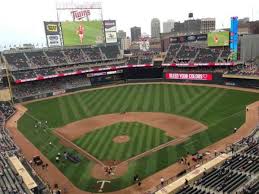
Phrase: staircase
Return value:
(205, 189)
(48, 59)
(197, 54)
(66, 57)
(86, 57)
(102, 54)
(219, 59)
(31, 64)
(177, 52)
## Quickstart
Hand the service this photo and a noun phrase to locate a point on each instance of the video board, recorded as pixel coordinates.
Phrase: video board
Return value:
(82, 32)
(218, 39)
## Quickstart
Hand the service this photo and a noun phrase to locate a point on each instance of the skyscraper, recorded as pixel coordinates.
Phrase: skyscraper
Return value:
(168, 26)
(155, 28)
(208, 24)
(189, 26)
(125, 43)
(135, 33)
(121, 34)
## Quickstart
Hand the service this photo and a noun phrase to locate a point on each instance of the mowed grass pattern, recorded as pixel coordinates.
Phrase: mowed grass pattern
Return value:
(100, 142)
(220, 109)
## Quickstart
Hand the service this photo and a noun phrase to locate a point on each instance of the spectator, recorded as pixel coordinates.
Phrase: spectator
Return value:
(162, 180)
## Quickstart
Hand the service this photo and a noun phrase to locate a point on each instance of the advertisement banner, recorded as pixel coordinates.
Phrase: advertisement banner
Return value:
(234, 38)
(104, 73)
(58, 92)
(17, 81)
(109, 25)
(110, 31)
(202, 37)
(189, 76)
(189, 38)
(144, 45)
(115, 72)
(52, 31)
(52, 28)
(173, 40)
(80, 14)
(96, 74)
(53, 40)
(111, 37)
(197, 64)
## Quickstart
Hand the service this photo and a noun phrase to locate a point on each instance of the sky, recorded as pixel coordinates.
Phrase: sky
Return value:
(21, 21)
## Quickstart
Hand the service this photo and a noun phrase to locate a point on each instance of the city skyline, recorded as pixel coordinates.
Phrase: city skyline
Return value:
(24, 23)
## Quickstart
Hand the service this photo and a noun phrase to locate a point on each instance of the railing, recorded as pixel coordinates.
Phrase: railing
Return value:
(176, 177)
(238, 145)
(17, 149)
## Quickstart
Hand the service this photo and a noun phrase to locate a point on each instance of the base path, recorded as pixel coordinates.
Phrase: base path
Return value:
(252, 120)
(52, 175)
(174, 125)
(178, 127)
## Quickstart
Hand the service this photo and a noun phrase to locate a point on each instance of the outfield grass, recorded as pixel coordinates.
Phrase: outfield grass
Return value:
(220, 109)
(100, 143)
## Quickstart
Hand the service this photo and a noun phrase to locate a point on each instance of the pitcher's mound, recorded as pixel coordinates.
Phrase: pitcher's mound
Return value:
(121, 139)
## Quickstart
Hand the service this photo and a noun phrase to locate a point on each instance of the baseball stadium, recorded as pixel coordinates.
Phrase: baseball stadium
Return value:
(93, 117)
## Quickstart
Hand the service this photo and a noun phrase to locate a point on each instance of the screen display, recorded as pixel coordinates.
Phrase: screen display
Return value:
(218, 39)
(189, 76)
(82, 32)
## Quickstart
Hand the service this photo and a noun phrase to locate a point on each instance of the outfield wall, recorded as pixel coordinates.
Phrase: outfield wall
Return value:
(106, 79)
(209, 78)
(137, 75)
(143, 73)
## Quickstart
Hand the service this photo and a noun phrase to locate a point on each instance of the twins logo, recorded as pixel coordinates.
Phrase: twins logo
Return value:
(79, 15)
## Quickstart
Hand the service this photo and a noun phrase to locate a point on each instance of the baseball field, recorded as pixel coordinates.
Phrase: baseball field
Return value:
(121, 150)
(220, 110)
